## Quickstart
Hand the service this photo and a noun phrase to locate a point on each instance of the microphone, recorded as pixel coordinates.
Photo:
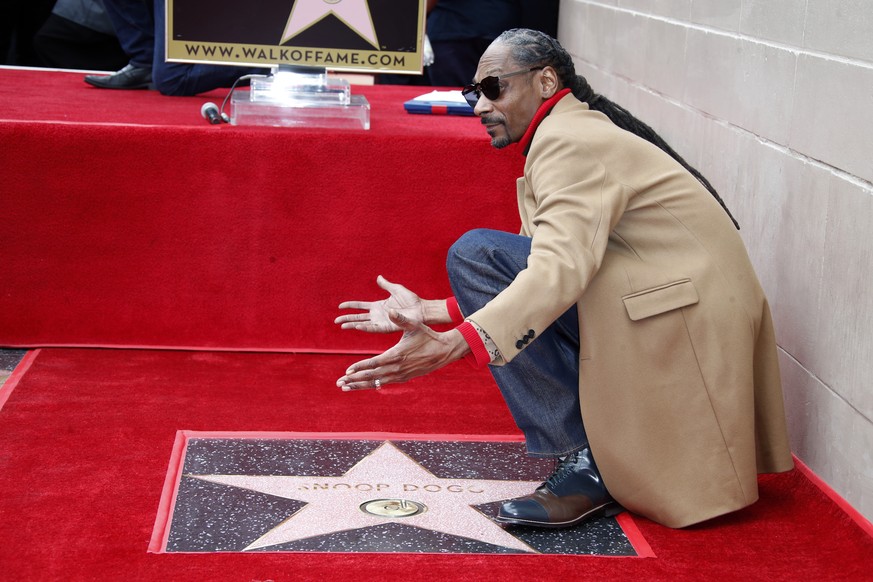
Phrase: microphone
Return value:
(209, 112)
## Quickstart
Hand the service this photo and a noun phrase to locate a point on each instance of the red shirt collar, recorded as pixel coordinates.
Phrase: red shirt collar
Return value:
(542, 112)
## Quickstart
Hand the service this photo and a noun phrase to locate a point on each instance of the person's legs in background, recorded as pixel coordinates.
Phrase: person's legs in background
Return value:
(64, 44)
(134, 24)
(139, 25)
(190, 79)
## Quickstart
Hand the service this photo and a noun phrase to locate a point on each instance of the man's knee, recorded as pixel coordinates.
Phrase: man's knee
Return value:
(177, 79)
(472, 245)
(170, 85)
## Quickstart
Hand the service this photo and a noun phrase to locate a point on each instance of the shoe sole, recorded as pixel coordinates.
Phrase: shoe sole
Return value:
(606, 510)
(97, 84)
(130, 88)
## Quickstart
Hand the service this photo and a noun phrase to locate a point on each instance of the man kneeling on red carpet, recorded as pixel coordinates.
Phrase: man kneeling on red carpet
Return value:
(624, 323)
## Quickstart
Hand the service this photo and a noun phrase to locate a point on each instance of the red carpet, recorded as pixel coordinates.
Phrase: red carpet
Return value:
(85, 438)
(129, 221)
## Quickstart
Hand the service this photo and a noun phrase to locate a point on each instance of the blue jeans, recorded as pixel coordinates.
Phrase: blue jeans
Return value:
(139, 25)
(541, 384)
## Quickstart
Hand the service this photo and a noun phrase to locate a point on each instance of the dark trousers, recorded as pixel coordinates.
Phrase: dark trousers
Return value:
(140, 28)
(64, 44)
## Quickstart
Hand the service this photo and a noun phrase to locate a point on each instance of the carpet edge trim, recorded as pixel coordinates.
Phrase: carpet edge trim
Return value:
(183, 348)
(633, 534)
(376, 436)
(167, 502)
(838, 499)
(18, 373)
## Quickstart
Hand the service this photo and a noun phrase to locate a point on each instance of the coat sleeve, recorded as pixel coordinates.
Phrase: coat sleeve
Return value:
(576, 204)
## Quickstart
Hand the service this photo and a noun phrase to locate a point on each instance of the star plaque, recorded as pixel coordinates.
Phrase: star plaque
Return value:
(379, 36)
(334, 493)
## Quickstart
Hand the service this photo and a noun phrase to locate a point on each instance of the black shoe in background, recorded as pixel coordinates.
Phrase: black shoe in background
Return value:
(129, 77)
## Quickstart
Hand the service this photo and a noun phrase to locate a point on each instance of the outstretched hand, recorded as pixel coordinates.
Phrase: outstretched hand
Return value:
(375, 318)
(420, 351)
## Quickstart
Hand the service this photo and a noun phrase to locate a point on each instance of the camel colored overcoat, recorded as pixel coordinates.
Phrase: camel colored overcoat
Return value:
(679, 379)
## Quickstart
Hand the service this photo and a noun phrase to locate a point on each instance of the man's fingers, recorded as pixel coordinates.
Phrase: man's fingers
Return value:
(407, 325)
(391, 288)
(362, 367)
(352, 317)
(383, 282)
(355, 305)
(371, 385)
(364, 375)
(401, 320)
(371, 368)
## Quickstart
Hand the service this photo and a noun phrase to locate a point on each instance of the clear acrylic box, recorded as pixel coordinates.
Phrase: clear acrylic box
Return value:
(292, 99)
(289, 88)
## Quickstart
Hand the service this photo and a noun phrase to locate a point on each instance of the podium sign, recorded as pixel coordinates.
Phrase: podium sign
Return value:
(373, 36)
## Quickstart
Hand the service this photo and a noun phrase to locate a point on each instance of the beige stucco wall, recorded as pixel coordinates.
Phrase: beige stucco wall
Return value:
(773, 101)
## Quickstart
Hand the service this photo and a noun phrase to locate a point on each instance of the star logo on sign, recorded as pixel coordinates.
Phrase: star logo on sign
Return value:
(354, 13)
(337, 504)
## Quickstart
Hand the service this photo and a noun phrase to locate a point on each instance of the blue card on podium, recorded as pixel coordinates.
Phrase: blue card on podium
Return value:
(439, 103)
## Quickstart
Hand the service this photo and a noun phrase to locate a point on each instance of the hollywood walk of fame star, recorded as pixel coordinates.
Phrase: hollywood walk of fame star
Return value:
(354, 13)
(334, 503)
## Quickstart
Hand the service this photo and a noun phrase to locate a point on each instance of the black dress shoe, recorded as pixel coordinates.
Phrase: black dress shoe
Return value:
(574, 493)
(129, 77)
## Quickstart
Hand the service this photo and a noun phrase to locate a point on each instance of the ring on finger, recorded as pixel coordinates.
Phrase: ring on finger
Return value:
(377, 383)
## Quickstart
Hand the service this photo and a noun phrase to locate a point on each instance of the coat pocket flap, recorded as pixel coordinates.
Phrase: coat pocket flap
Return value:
(643, 304)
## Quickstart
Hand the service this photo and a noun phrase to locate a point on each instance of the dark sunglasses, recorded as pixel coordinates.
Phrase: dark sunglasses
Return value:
(490, 86)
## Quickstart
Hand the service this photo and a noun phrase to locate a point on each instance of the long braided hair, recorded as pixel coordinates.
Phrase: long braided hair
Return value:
(534, 48)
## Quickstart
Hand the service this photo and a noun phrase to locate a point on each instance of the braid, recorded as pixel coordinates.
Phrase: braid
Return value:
(531, 47)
